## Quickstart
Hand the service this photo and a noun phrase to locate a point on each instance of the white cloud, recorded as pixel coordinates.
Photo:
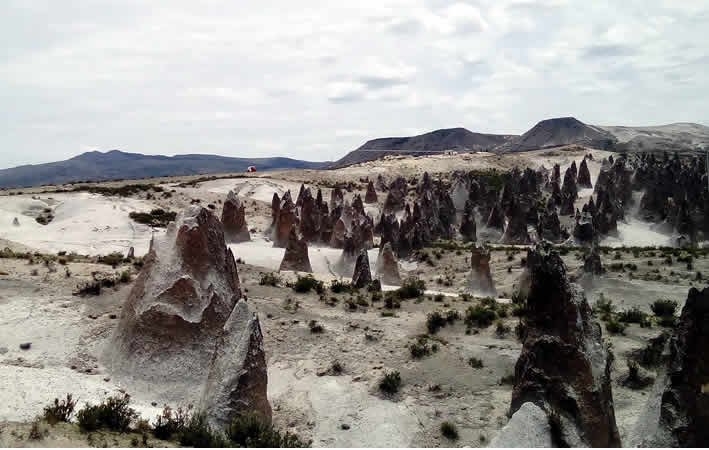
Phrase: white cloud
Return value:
(314, 79)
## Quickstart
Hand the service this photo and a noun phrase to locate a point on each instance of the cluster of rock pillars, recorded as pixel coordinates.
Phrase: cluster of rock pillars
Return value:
(186, 320)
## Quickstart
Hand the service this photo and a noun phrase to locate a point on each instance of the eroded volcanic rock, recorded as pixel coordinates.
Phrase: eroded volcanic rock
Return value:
(15, 222)
(183, 302)
(516, 230)
(683, 397)
(584, 177)
(480, 276)
(387, 268)
(583, 229)
(468, 228)
(296, 255)
(362, 275)
(371, 195)
(238, 378)
(496, 219)
(275, 209)
(592, 261)
(561, 328)
(286, 219)
(234, 220)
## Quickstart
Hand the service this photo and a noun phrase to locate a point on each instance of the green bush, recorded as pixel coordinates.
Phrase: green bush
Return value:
(632, 315)
(420, 348)
(269, 279)
(113, 414)
(339, 287)
(198, 433)
(449, 430)
(169, 423)
(664, 308)
(60, 411)
(390, 382)
(251, 430)
(604, 307)
(157, 218)
(306, 284)
(475, 363)
(315, 327)
(501, 329)
(615, 327)
(434, 322)
(112, 259)
(411, 288)
(480, 316)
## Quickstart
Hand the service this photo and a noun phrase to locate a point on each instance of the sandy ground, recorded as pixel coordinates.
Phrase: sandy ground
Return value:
(68, 332)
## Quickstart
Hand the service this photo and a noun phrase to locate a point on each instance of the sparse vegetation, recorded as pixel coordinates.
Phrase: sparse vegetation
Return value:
(449, 430)
(664, 307)
(113, 414)
(269, 279)
(315, 327)
(390, 382)
(60, 410)
(475, 363)
(157, 218)
(307, 283)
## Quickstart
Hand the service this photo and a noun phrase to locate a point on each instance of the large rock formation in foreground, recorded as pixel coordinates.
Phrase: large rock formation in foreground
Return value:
(184, 326)
(480, 277)
(682, 395)
(296, 255)
(234, 220)
(564, 367)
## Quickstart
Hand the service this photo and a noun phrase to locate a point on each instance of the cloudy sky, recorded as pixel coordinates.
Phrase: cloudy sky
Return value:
(314, 79)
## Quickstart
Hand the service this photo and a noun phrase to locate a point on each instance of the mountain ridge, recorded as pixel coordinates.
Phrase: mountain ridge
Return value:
(116, 164)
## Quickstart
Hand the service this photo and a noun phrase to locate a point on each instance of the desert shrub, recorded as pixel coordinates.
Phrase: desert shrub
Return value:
(390, 382)
(434, 322)
(157, 218)
(420, 348)
(198, 433)
(306, 284)
(315, 327)
(89, 288)
(169, 423)
(60, 410)
(338, 286)
(251, 430)
(667, 321)
(391, 301)
(125, 276)
(113, 414)
(480, 316)
(501, 329)
(336, 368)
(411, 288)
(615, 327)
(112, 259)
(664, 307)
(475, 363)
(35, 432)
(269, 279)
(438, 298)
(632, 315)
(452, 315)
(651, 355)
(449, 430)
(376, 296)
(604, 307)
(636, 379)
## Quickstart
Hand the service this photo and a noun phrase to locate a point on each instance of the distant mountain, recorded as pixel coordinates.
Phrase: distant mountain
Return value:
(557, 132)
(672, 137)
(458, 139)
(120, 165)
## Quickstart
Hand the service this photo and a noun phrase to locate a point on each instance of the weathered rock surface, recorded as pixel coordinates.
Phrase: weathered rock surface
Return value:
(592, 261)
(682, 394)
(371, 195)
(468, 228)
(131, 253)
(387, 268)
(516, 229)
(296, 255)
(560, 327)
(362, 275)
(238, 378)
(528, 427)
(480, 277)
(286, 219)
(584, 177)
(183, 302)
(234, 220)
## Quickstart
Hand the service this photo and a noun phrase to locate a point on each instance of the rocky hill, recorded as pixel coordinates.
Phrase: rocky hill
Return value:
(557, 132)
(116, 164)
(458, 139)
